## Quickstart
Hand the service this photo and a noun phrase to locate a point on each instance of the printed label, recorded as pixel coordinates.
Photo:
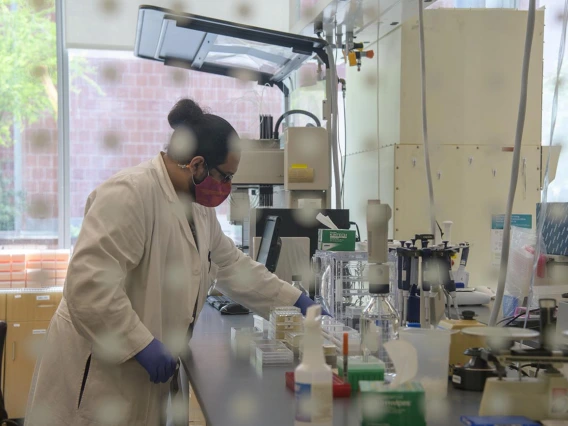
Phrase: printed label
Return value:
(18, 296)
(314, 403)
(456, 379)
(39, 331)
(558, 401)
(16, 325)
(46, 297)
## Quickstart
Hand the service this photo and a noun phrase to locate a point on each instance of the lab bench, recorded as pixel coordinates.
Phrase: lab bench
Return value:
(233, 392)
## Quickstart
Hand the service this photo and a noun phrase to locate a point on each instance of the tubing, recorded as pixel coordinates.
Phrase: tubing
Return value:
(335, 111)
(290, 112)
(515, 169)
(433, 229)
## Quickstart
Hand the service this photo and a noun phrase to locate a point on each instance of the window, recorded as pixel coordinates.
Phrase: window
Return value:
(28, 125)
(119, 117)
(558, 190)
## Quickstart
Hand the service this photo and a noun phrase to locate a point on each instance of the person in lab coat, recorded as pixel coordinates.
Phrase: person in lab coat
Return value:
(138, 278)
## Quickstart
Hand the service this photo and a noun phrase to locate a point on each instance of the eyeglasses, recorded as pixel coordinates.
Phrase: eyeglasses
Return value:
(226, 177)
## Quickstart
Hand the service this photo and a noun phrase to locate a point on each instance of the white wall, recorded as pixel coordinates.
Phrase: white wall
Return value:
(90, 26)
(362, 145)
(473, 66)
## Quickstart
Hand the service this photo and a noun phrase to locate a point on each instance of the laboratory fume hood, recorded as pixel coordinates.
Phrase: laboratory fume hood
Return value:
(225, 48)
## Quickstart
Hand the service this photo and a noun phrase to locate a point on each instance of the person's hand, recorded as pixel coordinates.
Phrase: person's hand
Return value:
(304, 302)
(157, 361)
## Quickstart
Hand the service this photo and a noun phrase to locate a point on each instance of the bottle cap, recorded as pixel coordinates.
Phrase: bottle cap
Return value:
(379, 288)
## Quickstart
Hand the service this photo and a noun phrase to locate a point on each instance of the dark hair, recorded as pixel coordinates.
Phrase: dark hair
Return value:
(213, 135)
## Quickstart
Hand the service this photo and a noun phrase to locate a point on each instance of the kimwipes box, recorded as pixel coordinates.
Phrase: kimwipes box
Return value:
(336, 240)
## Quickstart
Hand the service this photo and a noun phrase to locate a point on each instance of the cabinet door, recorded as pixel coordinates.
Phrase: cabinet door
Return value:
(23, 343)
(32, 306)
(3, 306)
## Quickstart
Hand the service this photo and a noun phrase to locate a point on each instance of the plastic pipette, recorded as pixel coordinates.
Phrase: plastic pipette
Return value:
(461, 275)
(426, 286)
(345, 355)
(449, 283)
(400, 278)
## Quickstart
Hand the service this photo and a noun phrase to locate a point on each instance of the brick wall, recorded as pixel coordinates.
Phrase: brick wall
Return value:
(121, 123)
(133, 111)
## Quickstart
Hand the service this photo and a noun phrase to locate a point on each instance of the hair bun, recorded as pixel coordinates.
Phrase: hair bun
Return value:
(185, 111)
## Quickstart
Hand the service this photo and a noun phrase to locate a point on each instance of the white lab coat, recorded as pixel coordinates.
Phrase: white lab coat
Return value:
(135, 274)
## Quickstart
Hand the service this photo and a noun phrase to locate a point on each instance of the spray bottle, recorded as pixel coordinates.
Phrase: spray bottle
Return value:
(313, 377)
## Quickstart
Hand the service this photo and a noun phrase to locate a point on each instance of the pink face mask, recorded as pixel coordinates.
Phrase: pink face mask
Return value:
(210, 192)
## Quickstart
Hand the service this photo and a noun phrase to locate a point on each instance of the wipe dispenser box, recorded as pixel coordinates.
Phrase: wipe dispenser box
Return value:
(383, 405)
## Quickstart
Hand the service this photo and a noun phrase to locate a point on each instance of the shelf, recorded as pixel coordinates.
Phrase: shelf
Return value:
(31, 290)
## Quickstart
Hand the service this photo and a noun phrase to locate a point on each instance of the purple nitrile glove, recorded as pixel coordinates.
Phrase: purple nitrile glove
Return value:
(157, 361)
(304, 302)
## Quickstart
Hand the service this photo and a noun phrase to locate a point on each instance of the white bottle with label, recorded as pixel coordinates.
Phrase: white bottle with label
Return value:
(313, 377)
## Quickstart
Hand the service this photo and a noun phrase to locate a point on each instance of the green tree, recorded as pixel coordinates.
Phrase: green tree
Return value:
(28, 64)
(10, 201)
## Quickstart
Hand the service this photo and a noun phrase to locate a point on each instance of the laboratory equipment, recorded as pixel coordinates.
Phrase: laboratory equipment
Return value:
(294, 341)
(241, 339)
(345, 353)
(353, 316)
(291, 169)
(294, 257)
(268, 255)
(460, 342)
(360, 369)
(342, 280)
(433, 348)
(461, 276)
(540, 398)
(260, 323)
(290, 226)
(329, 353)
(294, 338)
(379, 324)
(297, 283)
(273, 354)
(379, 320)
(284, 319)
(354, 340)
(425, 281)
(313, 377)
(307, 168)
(473, 374)
(271, 244)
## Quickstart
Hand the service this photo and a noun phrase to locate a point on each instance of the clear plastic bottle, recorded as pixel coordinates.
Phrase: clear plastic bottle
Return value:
(313, 377)
(379, 324)
(297, 283)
